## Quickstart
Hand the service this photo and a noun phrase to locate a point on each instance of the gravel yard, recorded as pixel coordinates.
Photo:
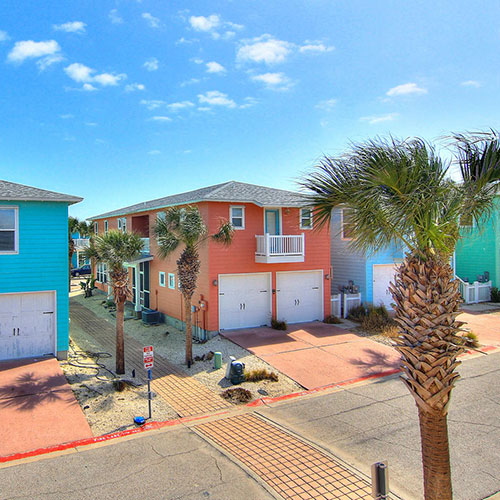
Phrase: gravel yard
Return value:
(102, 408)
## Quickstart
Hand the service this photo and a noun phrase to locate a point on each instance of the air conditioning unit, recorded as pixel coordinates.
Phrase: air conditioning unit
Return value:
(150, 317)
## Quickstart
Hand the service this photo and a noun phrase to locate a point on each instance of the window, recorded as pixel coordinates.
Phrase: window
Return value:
(96, 227)
(102, 272)
(161, 215)
(306, 218)
(466, 220)
(122, 224)
(105, 226)
(8, 230)
(162, 278)
(237, 217)
(82, 260)
(347, 225)
(171, 281)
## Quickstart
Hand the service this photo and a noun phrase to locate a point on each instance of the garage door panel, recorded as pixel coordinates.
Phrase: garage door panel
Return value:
(244, 301)
(299, 296)
(27, 325)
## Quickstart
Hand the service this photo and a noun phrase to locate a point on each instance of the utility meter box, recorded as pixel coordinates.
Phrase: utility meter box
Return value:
(236, 374)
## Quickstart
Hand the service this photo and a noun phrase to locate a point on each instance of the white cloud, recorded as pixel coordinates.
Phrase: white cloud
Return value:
(91, 124)
(197, 60)
(327, 105)
(4, 36)
(153, 21)
(152, 104)
(471, 83)
(264, 49)
(249, 102)
(88, 87)
(28, 49)
(373, 120)
(161, 118)
(274, 81)
(202, 23)
(315, 47)
(71, 27)
(151, 64)
(154, 152)
(109, 79)
(47, 61)
(67, 116)
(406, 89)
(215, 67)
(204, 108)
(114, 17)
(192, 81)
(79, 72)
(216, 98)
(134, 86)
(177, 106)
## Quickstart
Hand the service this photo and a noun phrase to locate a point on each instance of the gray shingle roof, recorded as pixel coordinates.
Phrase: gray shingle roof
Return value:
(10, 191)
(232, 191)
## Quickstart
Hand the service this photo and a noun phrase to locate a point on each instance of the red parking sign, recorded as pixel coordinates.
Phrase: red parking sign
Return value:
(148, 354)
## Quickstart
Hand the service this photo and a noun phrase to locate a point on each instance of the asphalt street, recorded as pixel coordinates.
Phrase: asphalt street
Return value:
(360, 424)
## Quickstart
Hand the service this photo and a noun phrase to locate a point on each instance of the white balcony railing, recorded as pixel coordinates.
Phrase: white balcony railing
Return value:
(145, 248)
(280, 248)
(81, 243)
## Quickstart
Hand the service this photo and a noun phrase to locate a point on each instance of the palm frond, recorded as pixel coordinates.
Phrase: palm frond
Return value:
(225, 233)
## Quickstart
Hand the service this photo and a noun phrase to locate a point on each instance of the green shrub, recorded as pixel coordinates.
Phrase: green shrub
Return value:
(377, 320)
(278, 325)
(332, 320)
(495, 294)
(470, 339)
(357, 313)
(260, 374)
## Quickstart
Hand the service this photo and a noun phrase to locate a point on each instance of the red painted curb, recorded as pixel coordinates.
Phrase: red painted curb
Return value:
(267, 400)
(106, 437)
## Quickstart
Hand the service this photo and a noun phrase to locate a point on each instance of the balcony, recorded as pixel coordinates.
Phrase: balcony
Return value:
(275, 249)
(81, 243)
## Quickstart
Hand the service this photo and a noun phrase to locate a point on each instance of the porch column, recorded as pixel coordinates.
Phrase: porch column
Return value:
(137, 304)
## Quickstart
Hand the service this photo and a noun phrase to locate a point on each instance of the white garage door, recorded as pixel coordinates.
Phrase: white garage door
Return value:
(383, 274)
(27, 325)
(299, 296)
(244, 300)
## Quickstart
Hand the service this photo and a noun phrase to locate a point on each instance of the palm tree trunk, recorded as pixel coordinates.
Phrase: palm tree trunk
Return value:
(120, 346)
(436, 455)
(189, 331)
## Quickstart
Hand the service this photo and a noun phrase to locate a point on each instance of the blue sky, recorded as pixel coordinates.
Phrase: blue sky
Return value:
(125, 101)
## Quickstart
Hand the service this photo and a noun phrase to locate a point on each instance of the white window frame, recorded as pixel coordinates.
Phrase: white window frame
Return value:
(15, 229)
(105, 226)
(102, 272)
(161, 279)
(122, 224)
(242, 216)
(310, 218)
(342, 225)
(171, 281)
(96, 227)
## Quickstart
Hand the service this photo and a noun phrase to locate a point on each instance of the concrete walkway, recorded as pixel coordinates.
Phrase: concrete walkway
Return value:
(183, 393)
(37, 407)
(317, 354)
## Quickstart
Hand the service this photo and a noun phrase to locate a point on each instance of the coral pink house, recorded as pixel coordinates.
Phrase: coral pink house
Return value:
(277, 266)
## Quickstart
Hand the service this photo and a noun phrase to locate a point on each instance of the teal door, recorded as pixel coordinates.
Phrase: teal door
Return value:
(273, 222)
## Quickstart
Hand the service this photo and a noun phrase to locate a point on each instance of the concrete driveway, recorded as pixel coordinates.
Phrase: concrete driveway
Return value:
(37, 407)
(316, 354)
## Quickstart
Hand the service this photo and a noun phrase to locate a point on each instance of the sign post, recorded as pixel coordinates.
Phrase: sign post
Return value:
(148, 353)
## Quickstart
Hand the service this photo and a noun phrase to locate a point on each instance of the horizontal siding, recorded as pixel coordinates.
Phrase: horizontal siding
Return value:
(42, 262)
(347, 265)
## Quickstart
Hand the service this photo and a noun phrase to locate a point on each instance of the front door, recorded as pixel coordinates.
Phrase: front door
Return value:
(143, 288)
(273, 222)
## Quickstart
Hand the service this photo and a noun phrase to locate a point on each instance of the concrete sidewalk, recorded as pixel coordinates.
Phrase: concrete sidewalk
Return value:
(37, 407)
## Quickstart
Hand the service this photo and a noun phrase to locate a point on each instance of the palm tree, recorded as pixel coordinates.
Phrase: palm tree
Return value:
(185, 226)
(115, 248)
(73, 227)
(400, 192)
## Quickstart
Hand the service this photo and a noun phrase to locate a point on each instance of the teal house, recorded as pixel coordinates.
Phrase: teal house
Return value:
(478, 253)
(34, 299)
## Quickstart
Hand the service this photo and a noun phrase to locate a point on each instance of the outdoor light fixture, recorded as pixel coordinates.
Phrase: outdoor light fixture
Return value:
(327, 276)
(214, 283)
